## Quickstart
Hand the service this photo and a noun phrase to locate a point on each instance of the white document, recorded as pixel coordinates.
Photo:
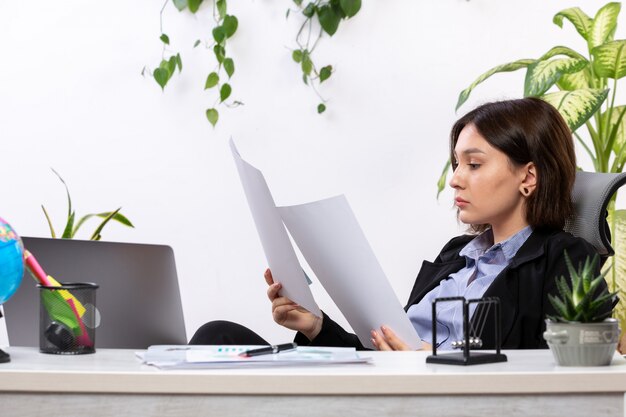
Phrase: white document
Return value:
(336, 249)
(279, 252)
(207, 357)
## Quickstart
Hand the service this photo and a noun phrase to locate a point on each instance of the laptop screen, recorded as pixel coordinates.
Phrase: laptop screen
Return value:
(138, 298)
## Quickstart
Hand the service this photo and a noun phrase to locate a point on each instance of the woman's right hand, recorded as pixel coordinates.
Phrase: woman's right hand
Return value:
(289, 314)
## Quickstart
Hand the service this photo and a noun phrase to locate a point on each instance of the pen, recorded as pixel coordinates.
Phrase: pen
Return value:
(269, 350)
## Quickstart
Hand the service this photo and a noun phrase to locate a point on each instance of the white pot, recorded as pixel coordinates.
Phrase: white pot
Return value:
(582, 344)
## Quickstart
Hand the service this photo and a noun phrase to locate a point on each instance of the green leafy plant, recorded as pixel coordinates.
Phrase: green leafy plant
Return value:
(581, 302)
(72, 226)
(329, 14)
(219, 78)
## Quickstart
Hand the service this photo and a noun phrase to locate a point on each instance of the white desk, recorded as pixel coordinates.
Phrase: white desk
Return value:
(114, 383)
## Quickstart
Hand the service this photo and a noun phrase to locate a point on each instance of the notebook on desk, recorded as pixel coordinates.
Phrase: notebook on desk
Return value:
(138, 299)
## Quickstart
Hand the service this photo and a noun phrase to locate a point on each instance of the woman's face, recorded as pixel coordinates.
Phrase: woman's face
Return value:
(488, 187)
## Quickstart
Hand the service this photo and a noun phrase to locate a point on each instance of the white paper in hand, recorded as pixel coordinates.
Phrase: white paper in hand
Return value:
(335, 247)
(279, 252)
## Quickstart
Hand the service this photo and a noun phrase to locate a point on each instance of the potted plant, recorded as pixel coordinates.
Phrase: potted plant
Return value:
(582, 333)
(583, 86)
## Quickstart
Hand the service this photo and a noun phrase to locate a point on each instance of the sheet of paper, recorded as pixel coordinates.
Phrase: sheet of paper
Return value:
(279, 252)
(207, 357)
(336, 249)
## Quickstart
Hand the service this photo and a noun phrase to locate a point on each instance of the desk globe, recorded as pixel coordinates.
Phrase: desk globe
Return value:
(11, 266)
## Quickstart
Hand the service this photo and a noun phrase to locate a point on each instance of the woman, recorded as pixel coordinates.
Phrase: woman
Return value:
(514, 168)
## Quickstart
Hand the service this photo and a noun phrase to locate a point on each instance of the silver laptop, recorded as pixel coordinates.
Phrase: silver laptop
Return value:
(138, 299)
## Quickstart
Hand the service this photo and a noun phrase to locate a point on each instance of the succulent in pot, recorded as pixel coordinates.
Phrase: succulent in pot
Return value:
(581, 333)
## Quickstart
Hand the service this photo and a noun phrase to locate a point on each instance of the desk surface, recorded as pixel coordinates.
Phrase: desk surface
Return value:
(119, 371)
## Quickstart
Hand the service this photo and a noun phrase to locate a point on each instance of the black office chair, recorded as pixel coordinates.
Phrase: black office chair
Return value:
(591, 195)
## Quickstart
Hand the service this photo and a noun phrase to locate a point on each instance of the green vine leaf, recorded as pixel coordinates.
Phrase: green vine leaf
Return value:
(165, 39)
(179, 63)
(229, 66)
(211, 80)
(219, 34)
(329, 19)
(219, 52)
(297, 55)
(350, 7)
(298, 2)
(196, 43)
(309, 10)
(225, 91)
(325, 73)
(194, 5)
(221, 8)
(321, 108)
(212, 115)
(180, 4)
(161, 76)
(230, 25)
(171, 65)
(307, 64)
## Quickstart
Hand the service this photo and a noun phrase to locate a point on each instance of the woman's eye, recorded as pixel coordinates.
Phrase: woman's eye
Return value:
(474, 166)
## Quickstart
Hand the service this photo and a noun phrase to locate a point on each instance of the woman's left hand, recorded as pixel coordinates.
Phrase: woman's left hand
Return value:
(386, 339)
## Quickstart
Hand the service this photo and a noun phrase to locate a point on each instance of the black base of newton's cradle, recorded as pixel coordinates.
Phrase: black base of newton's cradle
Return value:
(476, 358)
(4, 357)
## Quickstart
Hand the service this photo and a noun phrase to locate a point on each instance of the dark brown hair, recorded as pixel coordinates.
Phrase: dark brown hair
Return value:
(530, 130)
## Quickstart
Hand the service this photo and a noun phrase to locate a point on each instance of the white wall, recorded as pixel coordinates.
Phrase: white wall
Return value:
(72, 98)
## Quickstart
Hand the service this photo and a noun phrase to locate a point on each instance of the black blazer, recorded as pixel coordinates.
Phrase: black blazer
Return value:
(522, 287)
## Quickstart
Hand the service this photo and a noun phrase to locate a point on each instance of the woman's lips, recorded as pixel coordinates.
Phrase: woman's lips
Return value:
(460, 202)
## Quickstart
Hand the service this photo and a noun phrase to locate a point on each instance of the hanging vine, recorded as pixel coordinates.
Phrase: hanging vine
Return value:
(320, 16)
(329, 14)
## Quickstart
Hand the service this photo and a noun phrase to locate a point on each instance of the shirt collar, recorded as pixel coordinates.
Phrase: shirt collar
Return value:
(484, 243)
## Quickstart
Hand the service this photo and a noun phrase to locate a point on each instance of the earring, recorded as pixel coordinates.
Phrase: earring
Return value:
(525, 192)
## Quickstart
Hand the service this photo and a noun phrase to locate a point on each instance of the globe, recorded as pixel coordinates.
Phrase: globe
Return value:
(11, 261)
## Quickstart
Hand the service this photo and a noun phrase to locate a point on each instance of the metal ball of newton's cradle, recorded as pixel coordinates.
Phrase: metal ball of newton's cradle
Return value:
(474, 342)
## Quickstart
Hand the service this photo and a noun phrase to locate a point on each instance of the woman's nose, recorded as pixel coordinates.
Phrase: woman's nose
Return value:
(455, 179)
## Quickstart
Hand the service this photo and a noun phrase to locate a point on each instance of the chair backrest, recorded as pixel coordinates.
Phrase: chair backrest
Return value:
(591, 195)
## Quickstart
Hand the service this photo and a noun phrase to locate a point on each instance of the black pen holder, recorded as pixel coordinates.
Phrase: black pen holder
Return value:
(68, 318)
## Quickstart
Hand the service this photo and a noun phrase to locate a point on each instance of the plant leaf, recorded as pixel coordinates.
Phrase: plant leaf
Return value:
(441, 183)
(309, 10)
(197, 42)
(610, 59)
(509, 67)
(321, 108)
(229, 66)
(221, 8)
(219, 52)
(617, 117)
(212, 115)
(69, 226)
(307, 64)
(329, 19)
(225, 91)
(180, 4)
(165, 39)
(562, 50)
(45, 213)
(542, 75)
(219, 34)
(577, 17)
(350, 7)
(604, 24)
(67, 192)
(576, 81)
(211, 80)
(194, 5)
(96, 233)
(577, 106)
(230, 25)
(325, 73)
(297, 55)
(179, 63)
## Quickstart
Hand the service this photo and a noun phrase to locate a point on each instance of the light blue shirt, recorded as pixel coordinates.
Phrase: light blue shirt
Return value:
(483, 262)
